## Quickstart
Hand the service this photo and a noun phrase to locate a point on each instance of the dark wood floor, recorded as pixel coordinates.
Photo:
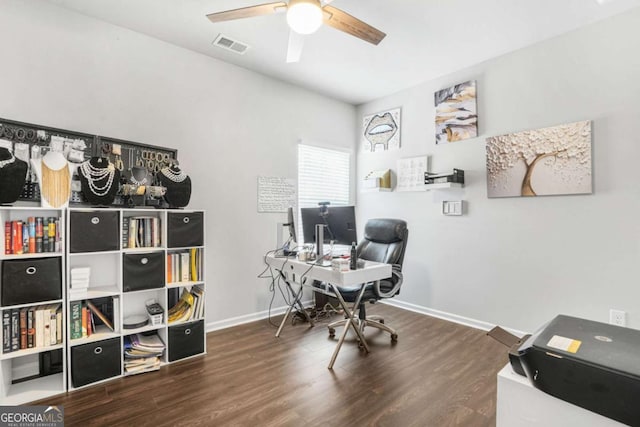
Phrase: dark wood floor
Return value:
(438, 374)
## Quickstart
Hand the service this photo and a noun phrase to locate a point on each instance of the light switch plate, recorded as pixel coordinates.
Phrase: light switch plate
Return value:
(452, 207)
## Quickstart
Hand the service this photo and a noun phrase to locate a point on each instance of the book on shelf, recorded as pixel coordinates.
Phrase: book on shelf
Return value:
(6, 331)
(23, 327)
(76, 319)
(33, 235)
(31, 327)
(83, 321)
(101, 315)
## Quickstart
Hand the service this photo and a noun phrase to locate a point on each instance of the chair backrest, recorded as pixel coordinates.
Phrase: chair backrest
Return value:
(385, 240)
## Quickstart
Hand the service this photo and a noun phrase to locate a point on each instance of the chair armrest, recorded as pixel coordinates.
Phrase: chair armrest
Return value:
(396, 276)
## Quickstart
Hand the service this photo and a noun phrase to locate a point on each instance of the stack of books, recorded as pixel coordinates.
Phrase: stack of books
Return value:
(31, 327)
(185, 266)
(142, 353)
(141, 232)
(190, 306)
(80, 279)
(33, 236)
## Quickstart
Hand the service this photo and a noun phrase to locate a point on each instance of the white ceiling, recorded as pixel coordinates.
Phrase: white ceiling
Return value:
(425, 38)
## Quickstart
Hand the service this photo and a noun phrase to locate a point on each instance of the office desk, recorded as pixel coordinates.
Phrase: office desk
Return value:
(302, 274)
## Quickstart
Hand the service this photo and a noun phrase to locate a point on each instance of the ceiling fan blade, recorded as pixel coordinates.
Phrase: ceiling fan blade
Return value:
(296, 42)
(342, 21)
(247, 12)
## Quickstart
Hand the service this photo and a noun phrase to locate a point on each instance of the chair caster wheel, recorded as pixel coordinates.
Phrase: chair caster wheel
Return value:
(332, 332)
(394, 337)
(381, 321)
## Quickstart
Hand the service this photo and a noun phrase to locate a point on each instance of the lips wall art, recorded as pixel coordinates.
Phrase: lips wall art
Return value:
(381, 131)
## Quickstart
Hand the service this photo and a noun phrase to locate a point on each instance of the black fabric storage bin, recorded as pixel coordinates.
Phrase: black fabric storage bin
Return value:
(185, 229)
(143, 271)
(31, 280)
(95, 361)
(186, 340)
(94, 231)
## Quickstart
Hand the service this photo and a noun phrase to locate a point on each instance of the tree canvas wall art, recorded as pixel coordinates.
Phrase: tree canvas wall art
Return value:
(381, 131)
(548, 161)
(456, 113)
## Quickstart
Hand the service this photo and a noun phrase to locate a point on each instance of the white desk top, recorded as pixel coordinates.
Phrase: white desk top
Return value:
(371, 272)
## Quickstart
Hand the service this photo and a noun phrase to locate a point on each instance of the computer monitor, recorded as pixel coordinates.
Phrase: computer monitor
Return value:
(340, 224)
(291, 223)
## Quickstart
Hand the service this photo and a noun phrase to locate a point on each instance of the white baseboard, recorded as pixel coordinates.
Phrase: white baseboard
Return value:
(248, 318)
(473, 323)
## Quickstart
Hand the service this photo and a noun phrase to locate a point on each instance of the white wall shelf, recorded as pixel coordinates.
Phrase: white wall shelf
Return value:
(442, 185)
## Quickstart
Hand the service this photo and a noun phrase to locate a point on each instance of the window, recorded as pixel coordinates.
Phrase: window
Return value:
(323, 176)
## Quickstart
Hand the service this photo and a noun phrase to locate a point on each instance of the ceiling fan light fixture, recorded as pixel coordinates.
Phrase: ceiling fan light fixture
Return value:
(304, 16)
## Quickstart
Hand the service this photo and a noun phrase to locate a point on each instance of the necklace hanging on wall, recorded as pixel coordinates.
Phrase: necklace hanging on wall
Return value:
(8, 161)
(55, 187)
(139, 179)
(94, 175)
(173, 175)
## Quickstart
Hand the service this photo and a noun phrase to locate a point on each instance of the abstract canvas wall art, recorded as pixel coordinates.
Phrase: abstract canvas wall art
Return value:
(381, 131)
(456, 113)
(553, 160)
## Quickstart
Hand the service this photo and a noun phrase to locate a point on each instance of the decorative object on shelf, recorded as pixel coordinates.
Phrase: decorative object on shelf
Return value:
(135, 321)
(155, 312)
(178, 185)
(54, 176)
(381, 131)
(553, 160)
(13, 173)
(99, 181)
(378, 180)
(411, 173)
(456, 113)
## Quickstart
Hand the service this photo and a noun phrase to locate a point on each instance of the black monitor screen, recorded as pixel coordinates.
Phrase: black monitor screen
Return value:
(340, 222)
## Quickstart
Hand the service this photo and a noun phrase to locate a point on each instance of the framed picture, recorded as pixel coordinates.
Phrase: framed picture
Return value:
(456, 113)
(381, 131)
(553, 160)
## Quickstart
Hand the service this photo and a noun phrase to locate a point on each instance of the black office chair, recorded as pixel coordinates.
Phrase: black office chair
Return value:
(385, 240)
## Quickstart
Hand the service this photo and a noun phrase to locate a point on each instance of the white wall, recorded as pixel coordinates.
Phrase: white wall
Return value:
(520, 261)
(230, 125)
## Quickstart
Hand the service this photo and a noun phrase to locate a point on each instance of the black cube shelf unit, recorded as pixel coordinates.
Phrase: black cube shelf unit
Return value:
(136, 257)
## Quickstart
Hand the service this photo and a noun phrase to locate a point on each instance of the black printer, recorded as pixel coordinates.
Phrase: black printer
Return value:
(590, 364)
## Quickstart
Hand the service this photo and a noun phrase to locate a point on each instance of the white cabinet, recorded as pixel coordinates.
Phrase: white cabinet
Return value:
(121, 279)
(33, 304)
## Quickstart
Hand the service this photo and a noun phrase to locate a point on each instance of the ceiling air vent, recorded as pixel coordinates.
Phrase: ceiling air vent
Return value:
(229, 44)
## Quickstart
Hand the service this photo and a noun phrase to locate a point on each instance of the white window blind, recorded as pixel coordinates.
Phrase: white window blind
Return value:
(323, 176)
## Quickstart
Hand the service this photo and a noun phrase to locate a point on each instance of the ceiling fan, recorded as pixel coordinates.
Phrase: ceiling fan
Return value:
(305, 17)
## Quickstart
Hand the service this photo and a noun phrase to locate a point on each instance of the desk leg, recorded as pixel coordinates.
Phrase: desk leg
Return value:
(352, 322)
(298, 303)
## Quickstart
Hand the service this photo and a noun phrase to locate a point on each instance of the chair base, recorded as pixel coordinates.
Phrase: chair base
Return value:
(373, 321)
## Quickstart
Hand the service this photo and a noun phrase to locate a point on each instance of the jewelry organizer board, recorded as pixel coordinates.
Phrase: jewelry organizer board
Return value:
(37, 135)
(150, 157)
